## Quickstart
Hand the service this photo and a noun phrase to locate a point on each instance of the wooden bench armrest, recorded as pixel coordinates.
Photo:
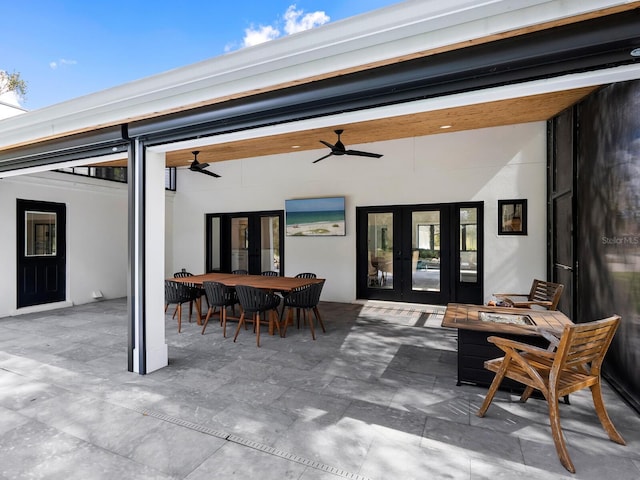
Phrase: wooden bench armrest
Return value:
(552, 336)
(521, 347)
(529, 303)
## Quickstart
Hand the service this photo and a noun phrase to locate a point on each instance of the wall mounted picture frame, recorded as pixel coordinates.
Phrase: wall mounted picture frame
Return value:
(315, 217)
(512, 217)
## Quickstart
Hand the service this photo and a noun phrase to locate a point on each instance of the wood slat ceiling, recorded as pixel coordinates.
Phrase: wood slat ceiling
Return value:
(499, 113)
(533, 108)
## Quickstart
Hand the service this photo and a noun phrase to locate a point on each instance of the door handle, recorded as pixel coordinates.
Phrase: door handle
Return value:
(563, 267)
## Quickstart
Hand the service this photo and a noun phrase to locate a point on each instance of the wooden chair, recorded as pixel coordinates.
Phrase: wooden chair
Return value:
(574, 365)
(373, 276)
(385, 265)
(544, 294)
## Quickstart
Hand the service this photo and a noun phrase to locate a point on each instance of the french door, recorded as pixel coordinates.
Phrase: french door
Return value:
(420, 253)
(252, 241)
(41, 252)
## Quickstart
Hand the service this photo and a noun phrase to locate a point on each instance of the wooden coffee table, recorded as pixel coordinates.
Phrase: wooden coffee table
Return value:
(477, 322)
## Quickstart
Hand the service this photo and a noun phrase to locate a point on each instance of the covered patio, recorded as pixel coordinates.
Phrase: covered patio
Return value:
(373, 398)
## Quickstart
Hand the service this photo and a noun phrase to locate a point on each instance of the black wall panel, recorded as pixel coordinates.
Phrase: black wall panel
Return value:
(608, 224)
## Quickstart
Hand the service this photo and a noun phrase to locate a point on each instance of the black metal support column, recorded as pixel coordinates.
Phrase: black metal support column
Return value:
(136, 277)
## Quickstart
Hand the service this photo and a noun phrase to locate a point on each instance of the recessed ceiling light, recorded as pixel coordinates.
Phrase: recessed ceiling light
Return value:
(635, 52)
(444, 127)
(295, 146)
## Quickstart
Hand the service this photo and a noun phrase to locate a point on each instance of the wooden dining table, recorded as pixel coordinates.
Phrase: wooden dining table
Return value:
(279, 284)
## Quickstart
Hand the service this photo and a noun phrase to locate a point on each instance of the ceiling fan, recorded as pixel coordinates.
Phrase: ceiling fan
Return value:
(340, 149)
(196, 166)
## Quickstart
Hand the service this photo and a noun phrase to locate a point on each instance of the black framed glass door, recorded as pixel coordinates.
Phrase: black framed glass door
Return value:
(252, 241)
(420, 253)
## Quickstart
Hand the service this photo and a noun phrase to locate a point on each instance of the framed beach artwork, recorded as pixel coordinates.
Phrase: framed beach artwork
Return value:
(310, 217)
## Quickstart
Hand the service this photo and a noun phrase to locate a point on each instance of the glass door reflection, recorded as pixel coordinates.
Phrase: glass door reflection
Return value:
(270, 244)
(468, 270)
(40, 234)
(425, 248)
(239, 243)
(380, 250)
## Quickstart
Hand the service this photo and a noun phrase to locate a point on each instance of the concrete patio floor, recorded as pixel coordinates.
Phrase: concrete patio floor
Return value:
(373, 398)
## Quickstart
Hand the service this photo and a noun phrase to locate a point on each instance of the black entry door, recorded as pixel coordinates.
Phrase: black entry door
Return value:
(420, 253)
(41, 252)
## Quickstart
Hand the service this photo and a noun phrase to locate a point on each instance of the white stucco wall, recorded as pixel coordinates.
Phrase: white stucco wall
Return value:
(480, 165)
(96, 234)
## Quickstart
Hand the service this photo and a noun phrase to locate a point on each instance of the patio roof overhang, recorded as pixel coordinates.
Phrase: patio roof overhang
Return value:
(571, 48)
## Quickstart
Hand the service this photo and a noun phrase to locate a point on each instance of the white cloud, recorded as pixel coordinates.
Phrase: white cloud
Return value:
(294, 21)
(231, 46)
(63, 61)
(263, 33)
(297, 21)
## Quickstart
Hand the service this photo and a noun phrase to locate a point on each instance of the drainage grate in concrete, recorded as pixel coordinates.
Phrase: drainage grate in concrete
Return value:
(251, 444)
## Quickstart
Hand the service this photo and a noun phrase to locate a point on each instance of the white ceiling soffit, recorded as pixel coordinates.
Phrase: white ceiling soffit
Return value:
(555, 84)
(403, 29)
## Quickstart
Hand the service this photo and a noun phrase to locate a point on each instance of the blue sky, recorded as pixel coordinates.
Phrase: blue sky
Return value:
(65, 49)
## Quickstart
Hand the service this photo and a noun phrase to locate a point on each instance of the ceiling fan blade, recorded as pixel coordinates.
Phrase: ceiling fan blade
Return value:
(340, 149)
(196, 166)
(327, 144)
(322, 158)
(208, 172)
(362, 154)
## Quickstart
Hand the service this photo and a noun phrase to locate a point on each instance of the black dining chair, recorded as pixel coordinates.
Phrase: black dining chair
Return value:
(178, 293)
(305, 298)
(255, 301)
(219, 296)
(240, 271)
(270, 273)
(306, 275)
(197, 298)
